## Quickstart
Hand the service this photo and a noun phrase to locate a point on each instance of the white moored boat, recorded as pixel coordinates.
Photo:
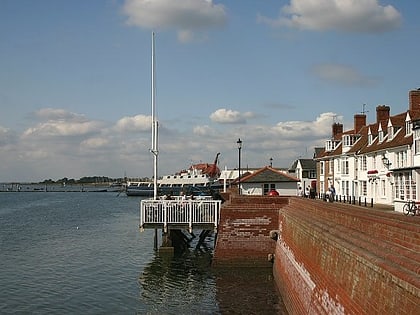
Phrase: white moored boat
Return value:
(196, 180)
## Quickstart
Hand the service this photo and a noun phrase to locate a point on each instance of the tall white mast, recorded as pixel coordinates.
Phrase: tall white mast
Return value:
(154, 150)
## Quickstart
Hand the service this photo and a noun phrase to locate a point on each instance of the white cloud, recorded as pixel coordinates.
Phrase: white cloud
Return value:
(319, 128)
(185, 16)
(95, 143)
(361, 16)
(203, 130)
(62, 128)
(343, 75)
(36, 154)
(85, 147)
(58, 114)
(185, 36)
(134, 123)
(228, 116)
(6, 136)
(59, 122)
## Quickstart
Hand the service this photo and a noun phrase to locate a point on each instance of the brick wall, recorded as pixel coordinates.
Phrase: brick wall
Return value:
(339, 259)
(243, 237)
(414, 99)
(330, 258)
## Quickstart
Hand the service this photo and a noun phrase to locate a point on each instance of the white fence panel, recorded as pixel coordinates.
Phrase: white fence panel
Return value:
(167, 212)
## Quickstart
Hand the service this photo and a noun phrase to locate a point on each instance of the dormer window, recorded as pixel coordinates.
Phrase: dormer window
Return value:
(390, 132)
(408, 128)
(415, 124)
(330, 145)
(370, 137)
(349, 140)
(380, 134)
(409, 125)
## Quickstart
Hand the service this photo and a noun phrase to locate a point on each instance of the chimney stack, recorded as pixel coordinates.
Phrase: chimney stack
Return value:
(337, 129)
(382, 113)
(414, 100)
(359, 122)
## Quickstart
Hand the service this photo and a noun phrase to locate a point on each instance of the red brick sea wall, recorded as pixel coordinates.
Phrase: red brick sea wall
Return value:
(330, 258)
(243, 237)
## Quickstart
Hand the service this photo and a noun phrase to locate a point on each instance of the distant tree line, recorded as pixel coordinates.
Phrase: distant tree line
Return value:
(91, 180)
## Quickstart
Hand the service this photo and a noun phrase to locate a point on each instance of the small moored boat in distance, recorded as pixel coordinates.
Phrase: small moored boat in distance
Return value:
(142, 189)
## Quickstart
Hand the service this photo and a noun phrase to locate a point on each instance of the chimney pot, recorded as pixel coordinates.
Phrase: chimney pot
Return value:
(337, 129)
(414, 100)
(359, 122)
(382, 113)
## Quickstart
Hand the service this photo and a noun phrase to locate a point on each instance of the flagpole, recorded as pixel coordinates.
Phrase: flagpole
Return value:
(155, 149)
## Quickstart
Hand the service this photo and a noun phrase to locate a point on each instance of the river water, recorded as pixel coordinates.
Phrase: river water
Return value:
(82, 253)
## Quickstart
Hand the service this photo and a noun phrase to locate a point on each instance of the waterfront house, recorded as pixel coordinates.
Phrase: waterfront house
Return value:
(261, 181)
(305, 171)
(378, 161)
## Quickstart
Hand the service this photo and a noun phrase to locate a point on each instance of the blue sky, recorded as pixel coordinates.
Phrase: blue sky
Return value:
(75, 80)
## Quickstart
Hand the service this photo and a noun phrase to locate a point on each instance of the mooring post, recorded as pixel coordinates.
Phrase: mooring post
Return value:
(155, 243)
(166, 246)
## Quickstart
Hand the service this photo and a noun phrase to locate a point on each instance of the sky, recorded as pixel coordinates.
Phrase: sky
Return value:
(75, 80)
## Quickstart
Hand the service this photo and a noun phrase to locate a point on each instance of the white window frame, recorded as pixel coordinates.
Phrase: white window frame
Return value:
(405, 186)
(363, 163)
(370, 139)
(416, 140)
(390, 132)
(401, 157)
(380, 134)
(345, 184)
(363, 188)
(383, 187)
(345, 169)
(408, 128)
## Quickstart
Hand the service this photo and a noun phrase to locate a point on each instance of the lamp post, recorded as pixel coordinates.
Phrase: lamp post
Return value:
(239, 143)
(385, 161)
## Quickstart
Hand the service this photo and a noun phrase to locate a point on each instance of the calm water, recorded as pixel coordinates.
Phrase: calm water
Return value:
(82, 253)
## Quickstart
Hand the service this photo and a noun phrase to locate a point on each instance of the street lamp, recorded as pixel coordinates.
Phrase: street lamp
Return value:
(386, 161)
(239, 143)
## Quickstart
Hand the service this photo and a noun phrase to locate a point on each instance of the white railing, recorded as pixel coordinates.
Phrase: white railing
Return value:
(181, 212)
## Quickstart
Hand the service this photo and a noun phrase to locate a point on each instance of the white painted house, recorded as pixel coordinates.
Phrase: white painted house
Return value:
(378, 161)
(305, 171)
(262, 181)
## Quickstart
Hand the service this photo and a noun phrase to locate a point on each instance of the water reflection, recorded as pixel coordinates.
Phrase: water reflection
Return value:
(180, 283)
(185, 283)
(247, 291)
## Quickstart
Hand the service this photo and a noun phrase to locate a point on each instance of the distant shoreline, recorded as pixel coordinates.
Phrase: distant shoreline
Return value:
(40, 187)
